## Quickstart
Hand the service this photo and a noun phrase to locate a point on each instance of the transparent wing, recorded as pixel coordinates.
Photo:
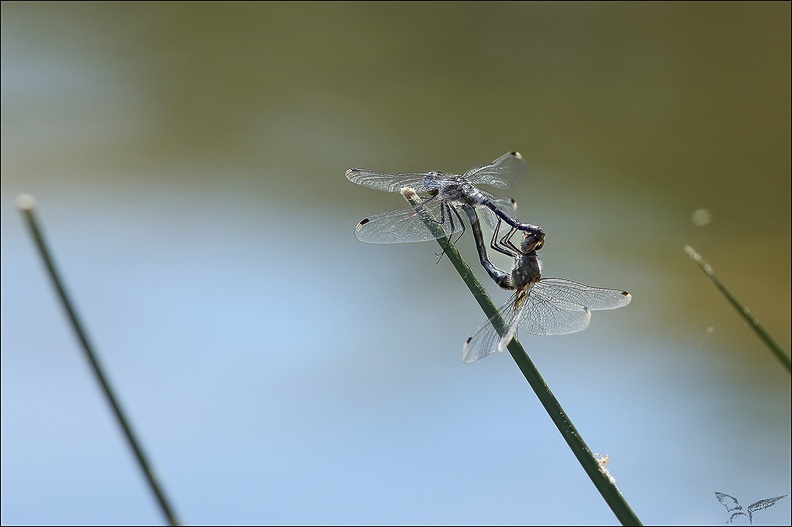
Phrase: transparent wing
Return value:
(519, 314)
(406, 226)
(556, 306)
(486, 339)
(501, 173)
(506, 205)
(487, 215)
(568, 292)
(552, 306)
(549, 316)
(395, 181)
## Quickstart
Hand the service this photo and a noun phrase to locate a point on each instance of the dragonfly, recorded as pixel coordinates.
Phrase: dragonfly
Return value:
(539, 306)
(502, 244)
(453, 202)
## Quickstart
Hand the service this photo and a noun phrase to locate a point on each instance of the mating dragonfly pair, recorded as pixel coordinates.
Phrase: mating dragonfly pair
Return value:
(539, 306)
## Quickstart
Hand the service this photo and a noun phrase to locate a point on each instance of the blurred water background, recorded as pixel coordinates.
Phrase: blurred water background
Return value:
(189, 158)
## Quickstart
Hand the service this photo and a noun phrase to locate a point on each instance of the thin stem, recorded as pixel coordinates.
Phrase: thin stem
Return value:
(744, 312)
(27, 204)
(588, 461)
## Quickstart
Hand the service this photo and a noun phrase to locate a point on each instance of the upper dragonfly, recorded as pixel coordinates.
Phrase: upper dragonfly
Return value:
(449, 197)
(540, 306)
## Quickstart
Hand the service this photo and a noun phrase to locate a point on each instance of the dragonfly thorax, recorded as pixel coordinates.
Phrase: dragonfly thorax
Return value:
(527, 271)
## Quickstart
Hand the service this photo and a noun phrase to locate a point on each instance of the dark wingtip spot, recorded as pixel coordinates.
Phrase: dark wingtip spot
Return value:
(363, 222)
(468, 341)
(625, 293)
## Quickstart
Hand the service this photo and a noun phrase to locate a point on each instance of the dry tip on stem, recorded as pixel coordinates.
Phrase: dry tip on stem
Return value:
(408, 193)
(696, 257)
(25, 202)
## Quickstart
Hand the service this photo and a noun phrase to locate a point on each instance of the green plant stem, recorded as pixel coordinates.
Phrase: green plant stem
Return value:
(588, 461)
(27, 204)
(744, 312)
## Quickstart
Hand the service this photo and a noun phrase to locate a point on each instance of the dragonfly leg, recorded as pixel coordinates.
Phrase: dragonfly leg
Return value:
(506, 242)
(447, 214)
(501, 245)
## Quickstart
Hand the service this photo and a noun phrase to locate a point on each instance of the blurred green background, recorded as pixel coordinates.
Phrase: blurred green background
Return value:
(189, 159)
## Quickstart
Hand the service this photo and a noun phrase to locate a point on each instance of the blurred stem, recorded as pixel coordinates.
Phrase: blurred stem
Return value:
(588, 461)
(744, 312)
(27, 205)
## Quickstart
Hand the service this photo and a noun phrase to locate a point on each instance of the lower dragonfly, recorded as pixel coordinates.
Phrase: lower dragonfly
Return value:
(539, 306)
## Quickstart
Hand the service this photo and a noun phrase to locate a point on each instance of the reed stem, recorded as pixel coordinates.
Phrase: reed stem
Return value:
(27, 204)
(591, 465)
(744, 312)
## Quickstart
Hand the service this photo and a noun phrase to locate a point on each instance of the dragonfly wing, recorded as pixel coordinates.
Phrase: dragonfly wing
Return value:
(553, 306)
(395, 181)
(407, 226)
(544, 315)
(487, 216)
(507, 205)
(558, 306)
(511, 330)
(501, 173)
(485, 340)
(594, 298)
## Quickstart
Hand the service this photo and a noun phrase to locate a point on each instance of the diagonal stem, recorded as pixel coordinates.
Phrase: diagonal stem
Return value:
(27, 204)
(744, 312)
(588, 461)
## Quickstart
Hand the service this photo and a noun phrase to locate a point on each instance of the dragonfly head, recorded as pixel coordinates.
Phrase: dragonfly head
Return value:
(533, 241)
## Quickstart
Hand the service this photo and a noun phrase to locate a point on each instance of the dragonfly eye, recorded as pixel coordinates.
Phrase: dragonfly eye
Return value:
(531, 242)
